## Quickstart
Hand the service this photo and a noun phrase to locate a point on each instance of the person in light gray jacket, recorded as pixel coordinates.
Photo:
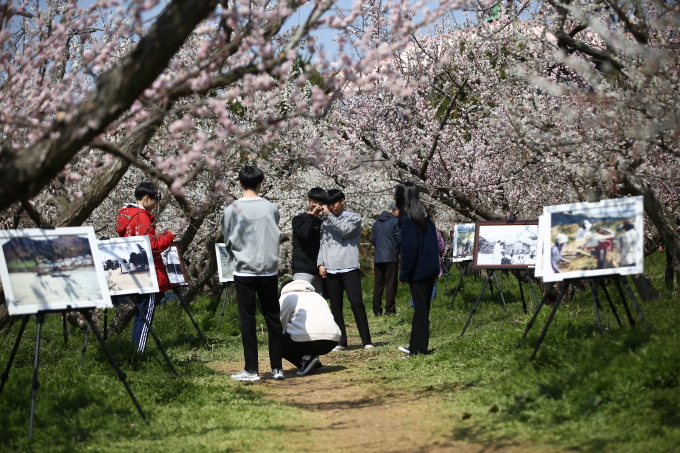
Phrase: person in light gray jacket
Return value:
(338, 263)
(251, 237)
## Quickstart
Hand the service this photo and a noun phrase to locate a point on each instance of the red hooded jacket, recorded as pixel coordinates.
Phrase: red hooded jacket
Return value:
(136, 221)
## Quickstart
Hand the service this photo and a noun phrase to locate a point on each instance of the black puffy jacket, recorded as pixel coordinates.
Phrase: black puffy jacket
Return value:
(386, 238)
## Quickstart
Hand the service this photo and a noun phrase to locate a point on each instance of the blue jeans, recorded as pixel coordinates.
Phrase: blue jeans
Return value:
(434, 293)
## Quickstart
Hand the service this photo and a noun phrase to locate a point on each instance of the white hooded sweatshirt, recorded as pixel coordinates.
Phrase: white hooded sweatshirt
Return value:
(305, 315)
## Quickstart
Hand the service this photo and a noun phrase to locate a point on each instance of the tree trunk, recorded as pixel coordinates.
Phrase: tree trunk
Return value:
(657, 213)
(123, 316)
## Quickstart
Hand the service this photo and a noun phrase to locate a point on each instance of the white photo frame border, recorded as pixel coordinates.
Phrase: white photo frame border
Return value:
(457, 258)
(15, 308)
(223, 277)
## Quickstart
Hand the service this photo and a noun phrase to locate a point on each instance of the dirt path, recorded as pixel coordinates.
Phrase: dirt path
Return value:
(353, 415)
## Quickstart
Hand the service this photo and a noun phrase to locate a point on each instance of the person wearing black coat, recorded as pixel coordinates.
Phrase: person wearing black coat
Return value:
(307, 240)
(386, 240)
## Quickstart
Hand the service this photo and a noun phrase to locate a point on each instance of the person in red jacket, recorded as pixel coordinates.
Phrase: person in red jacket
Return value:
(137, 220)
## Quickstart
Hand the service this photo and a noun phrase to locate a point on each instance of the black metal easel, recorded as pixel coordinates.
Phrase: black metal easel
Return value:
(490, 273)
(40, 318)
(460, 284)
(223, 293)
(517, 273)
(193, 321)
(596, 306)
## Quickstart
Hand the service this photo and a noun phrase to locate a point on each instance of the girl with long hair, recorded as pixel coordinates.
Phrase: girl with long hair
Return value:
(419, 261)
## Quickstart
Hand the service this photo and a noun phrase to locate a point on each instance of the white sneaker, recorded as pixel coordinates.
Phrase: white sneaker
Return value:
(368, 346)
(244, 375)
(404, 349)
(339, 348)
(277, 373)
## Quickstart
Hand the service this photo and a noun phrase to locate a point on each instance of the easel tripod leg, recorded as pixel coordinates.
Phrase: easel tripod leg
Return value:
(474, 307)
(550, 318)
(538, 309)
(5, 375)
(609, 300)
(460, 285)
(631, 321)
(224, 291)
(36, 361)
(521, 292)
(119, 372)
(82, 355)
(634, 300)
(153, 334)
(500, 291)
(193, 321)
(531, 287)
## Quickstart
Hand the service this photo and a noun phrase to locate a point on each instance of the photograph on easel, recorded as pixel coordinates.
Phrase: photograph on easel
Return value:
(592, 239)
(507, 244)
(128, 265)
(51, 269)
(174, 265)
(225, 266)
(463, 242)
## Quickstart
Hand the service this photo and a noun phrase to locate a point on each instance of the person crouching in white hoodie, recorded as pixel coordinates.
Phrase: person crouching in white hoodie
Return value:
(309, 329)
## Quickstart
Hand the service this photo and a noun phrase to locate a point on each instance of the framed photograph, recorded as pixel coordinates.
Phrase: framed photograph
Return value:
(463, 242)
(225, 266)
(174, 266)
(51, 270)
(593, 239)
(505, 244)
(128, 265)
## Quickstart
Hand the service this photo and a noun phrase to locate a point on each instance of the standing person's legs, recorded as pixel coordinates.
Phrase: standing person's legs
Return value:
(378, 287)
(246, 303)
(421, 291)
(335, 288)
(268, 296)
(140, 332)
(315, 279)
(352, 280)
(391, 274)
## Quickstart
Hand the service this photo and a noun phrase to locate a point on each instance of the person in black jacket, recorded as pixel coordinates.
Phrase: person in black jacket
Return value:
(386, 240)
(307, 239)
(419, 261)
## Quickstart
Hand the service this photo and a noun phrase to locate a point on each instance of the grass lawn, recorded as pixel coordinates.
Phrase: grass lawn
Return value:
(616, 392)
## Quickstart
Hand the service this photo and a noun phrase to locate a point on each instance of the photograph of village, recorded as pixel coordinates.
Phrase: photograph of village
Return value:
(174, 266)
(49, 272)
(128, 265)
(506, 245)
(463, 241)
(605, 237)
(224, 265)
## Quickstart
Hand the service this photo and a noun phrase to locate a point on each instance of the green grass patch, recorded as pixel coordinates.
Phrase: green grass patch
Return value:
(618, 392)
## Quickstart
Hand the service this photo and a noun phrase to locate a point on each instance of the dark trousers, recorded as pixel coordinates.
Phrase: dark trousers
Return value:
(351, 283)
(385, 279)
(421, 291)
(266, 289)
(140, 332)
(294, 350)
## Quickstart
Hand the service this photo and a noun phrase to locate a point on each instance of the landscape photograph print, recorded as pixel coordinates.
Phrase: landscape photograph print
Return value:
(128, 265)
(46, 270)
(505, 244)
(593, 239)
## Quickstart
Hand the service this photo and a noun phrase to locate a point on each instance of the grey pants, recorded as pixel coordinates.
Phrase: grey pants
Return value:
(315, 280)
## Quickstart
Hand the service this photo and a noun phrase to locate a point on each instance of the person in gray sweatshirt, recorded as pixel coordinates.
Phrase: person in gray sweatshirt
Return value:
(251, 237)
(338, 263)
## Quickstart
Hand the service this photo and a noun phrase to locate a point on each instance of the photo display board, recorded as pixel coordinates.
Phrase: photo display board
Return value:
(505, 244)
(592, 239)
(463, 242)
(225, 266)
(51, 270)
(128, 265)
(174, 266)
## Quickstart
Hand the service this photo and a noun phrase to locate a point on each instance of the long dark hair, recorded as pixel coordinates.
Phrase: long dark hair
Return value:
(408, 202)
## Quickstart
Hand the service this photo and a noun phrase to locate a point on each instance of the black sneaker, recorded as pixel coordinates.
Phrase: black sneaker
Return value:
(307, 365)
(377, 314)
(404, 349)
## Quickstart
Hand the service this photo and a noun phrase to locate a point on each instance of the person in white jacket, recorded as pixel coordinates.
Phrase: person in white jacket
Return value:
(309, 329)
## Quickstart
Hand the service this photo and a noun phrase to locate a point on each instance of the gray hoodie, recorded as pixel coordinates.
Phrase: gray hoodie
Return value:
(340, 238)
(251, 235)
